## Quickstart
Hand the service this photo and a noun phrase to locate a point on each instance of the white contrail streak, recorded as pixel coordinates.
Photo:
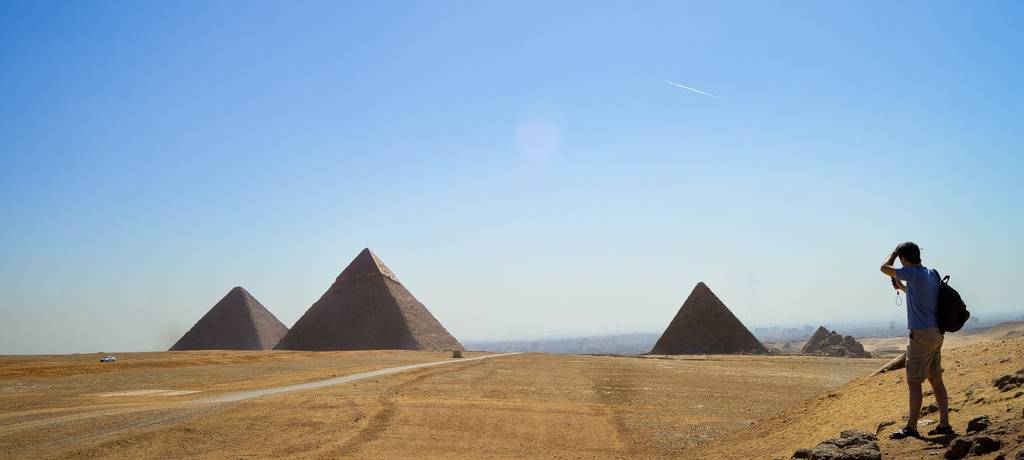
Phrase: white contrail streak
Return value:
(693, 89)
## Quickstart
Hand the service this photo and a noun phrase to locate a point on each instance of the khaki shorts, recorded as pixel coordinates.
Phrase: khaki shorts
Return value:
(924, 355)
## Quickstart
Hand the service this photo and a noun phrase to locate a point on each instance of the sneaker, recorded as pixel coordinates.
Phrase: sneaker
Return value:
(905, 432)
(943, 430)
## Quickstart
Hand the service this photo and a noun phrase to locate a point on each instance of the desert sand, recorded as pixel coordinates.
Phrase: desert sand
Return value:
(527, 405)
(522, 405)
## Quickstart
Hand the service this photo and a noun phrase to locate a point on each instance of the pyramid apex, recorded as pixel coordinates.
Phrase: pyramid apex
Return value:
(366, 263)
(701, 286)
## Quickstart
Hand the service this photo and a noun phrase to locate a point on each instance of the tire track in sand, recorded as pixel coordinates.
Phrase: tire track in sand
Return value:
(381, 421)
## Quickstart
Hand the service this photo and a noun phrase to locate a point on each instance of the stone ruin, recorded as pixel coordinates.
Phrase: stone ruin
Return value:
(825, 343)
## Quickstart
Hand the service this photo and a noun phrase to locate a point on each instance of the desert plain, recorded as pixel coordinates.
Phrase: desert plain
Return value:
(523, 405)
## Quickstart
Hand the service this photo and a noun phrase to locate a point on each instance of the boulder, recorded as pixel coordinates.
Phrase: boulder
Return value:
(975, 444)
(977, 424)
(1009, 382)
(897, 363)
(959, 448)
(850, 445)
(985, 445)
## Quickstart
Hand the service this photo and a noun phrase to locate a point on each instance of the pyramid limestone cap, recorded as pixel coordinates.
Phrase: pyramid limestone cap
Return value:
(366, 263)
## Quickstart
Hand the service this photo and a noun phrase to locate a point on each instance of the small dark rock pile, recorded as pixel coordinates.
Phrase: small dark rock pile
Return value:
(827, 343)
(983, 438)
(1009, 381)
(850, 445)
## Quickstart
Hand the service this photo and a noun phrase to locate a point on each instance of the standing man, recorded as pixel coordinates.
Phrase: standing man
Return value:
(924, 351)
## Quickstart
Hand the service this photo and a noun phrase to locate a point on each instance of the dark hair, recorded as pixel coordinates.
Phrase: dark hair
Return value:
(909, 251)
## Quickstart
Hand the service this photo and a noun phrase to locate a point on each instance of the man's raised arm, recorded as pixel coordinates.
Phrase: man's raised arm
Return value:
(887, 266)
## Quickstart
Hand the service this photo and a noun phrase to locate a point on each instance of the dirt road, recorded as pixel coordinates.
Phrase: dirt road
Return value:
(229, 397)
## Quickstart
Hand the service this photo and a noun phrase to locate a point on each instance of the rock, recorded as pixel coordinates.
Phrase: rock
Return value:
(1008, 382)
(830, 452)
(802, 453)
(984, 445)
(929, 409)
(882, 425)
(978, 424)
(977, 444)
(1020, 455)
(959, 447)
(897, 363)
(850, 445)
(856, 437)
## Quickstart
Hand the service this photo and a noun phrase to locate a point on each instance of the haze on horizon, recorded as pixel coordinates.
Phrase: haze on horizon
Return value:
(523, 168)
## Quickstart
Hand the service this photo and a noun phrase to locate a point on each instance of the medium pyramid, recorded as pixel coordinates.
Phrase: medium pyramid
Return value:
(237, 322)
(367, 308)
(704, 325)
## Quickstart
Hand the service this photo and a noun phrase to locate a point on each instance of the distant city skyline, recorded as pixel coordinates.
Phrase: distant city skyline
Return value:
(528, 169)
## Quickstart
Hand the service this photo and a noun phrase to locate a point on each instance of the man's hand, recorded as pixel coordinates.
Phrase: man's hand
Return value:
(898, 285)
(887, 266)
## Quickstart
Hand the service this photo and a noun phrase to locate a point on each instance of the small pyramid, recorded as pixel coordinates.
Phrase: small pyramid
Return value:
(816, 340)
(237, 322)
(367, 308)
(704, 325)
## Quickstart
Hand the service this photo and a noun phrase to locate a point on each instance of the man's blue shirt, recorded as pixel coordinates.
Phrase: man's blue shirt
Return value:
(922, 296)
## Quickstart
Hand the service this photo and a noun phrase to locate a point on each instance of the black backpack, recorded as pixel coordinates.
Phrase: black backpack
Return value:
(952, 311)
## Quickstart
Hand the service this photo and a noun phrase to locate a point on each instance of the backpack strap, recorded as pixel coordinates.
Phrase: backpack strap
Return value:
(943, 280)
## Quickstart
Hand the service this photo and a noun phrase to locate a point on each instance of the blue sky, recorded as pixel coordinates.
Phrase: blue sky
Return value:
(523, 167)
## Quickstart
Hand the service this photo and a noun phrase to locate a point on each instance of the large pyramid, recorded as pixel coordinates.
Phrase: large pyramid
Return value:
(237, 322)
(704, 325)
(367, 308)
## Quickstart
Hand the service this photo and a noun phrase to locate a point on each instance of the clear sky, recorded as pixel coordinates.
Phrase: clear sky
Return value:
(523, 167)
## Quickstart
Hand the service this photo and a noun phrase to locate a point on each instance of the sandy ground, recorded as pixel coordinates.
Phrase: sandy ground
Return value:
(516, 406)
(527, 405)
(897, 345)
(868, 401)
